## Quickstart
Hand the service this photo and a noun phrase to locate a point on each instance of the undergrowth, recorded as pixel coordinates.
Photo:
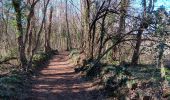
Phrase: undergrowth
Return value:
(11, 86)
(40, 58)
(14, 85)
(122, 81)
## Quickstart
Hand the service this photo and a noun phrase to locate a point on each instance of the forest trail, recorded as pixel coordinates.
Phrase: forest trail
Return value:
(57, 81)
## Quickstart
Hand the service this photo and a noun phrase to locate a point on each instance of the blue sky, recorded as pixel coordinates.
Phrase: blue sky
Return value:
(166, 3)
(137, 3)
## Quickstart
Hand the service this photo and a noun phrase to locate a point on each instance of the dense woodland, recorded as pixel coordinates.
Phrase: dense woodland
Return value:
(125, 47)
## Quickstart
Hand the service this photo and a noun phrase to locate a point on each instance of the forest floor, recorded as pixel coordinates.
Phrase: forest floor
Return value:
(58, 81)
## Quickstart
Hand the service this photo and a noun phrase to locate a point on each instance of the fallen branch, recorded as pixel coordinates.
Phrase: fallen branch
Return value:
(7, 59)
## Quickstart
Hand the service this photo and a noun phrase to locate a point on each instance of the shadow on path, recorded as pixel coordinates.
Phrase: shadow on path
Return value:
(57, 81)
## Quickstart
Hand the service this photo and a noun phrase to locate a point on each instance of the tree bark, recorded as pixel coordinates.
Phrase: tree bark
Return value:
(136, 53)
(87, 35)
(135, 56)
(48, 34)
(38, 35)
(21, 46)
(69, 44)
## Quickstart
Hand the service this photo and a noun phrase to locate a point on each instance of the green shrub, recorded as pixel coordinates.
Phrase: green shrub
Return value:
(41, 57)
(93, 70)
(73, 52)
(11, 79)
(114, 78)
(10, 86)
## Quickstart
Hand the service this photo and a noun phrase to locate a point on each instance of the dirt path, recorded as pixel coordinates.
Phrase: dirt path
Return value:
(58, 81)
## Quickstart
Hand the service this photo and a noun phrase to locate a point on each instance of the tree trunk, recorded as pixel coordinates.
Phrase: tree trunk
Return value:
(69, 45)
(135, 56)
(136, 53)
(21, 46)
(38, 34)
(102, 35)
(48, 47)
(22, 56)
(29, 42)
(87, 35)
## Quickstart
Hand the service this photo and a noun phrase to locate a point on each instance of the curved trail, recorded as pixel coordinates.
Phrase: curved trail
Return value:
(58, 81)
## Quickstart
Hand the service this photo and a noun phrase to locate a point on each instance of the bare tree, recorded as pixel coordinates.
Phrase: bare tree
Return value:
(48, 35)
(69, 45)
(21, 46)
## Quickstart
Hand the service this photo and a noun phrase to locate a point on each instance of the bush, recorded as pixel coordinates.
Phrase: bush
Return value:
(114, 78)
(10, 86)
(41, 57)
(73, 52)
(90, 69)
(93, 70)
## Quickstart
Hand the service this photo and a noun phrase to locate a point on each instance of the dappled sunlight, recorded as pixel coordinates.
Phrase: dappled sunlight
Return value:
(59, 78)
(84, 49)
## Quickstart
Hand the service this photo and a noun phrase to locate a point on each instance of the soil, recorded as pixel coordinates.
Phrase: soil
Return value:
(58, 81)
